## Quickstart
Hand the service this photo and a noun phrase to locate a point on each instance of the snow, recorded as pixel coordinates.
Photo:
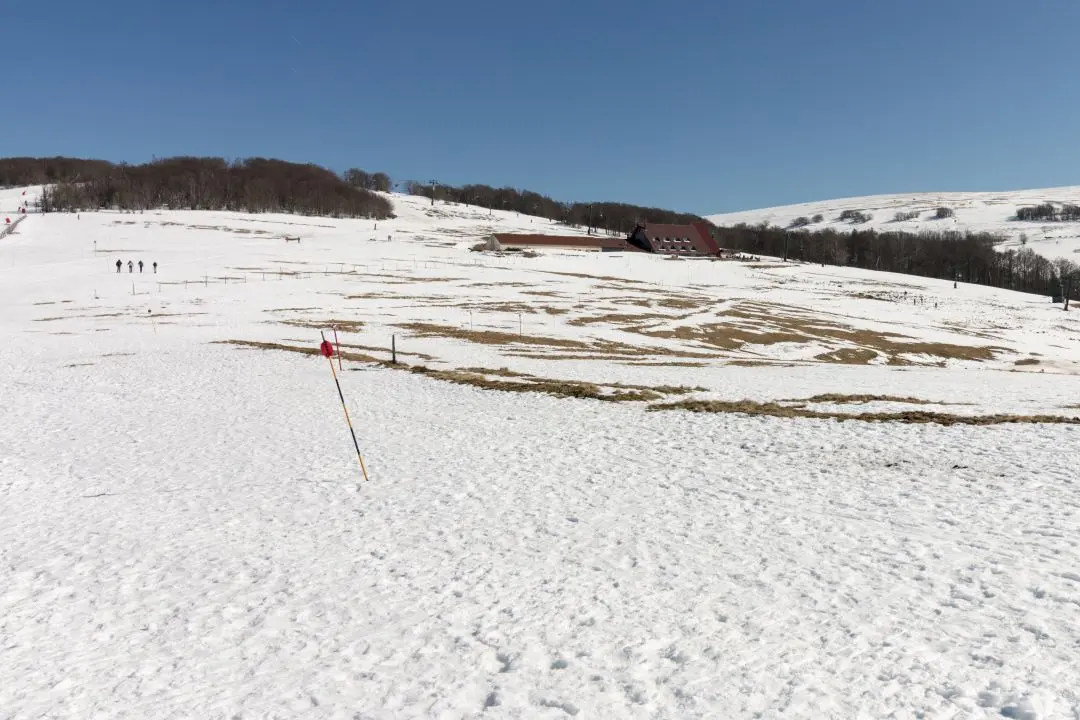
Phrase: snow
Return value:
(991, 212)
(184, 532)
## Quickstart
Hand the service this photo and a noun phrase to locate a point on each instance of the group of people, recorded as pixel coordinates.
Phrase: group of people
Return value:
(131, 266)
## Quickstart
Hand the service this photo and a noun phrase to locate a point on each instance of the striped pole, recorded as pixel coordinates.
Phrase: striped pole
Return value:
(338, 346)
(359, 457)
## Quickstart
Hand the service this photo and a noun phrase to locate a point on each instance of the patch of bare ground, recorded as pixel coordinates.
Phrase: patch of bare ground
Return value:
(499, 284)
(678, 303)
(84, 364)
(508, 307)
(762, 363)
(294, 309)
(663, 363)
(753, 323)
(1027, 361)
(50, 319)
(541, 293)
(772, 409)
(848, 356)
(342, 325)
(620, 319)
(498, 379)
(490, 337)
(839, 399)
(606, 278)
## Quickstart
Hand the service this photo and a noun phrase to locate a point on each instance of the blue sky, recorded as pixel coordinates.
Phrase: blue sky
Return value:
(697, 106)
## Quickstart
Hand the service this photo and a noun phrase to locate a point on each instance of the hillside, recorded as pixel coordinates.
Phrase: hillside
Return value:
(602, 485)
(977, 212)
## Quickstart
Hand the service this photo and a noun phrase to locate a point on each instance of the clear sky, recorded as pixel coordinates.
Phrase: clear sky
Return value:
(696, 105)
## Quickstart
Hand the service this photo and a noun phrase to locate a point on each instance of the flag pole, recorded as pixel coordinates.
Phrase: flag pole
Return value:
(338, 346)
(330, 359)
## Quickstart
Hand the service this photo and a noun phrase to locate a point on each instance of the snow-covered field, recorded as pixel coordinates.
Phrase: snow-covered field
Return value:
(975, 211)
(183, 530)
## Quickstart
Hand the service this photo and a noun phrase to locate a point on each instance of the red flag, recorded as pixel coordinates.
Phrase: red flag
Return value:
(326, 349)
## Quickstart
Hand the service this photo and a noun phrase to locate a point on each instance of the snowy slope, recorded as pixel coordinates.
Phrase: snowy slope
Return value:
(183, 532)
(977, 212)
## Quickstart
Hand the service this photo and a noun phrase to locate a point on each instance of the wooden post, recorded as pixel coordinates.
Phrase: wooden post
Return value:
(393, 349)
(519, 327)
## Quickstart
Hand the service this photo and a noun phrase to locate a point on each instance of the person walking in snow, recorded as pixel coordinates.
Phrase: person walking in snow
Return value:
(118, 264)
(155, 267)
(131, 267)
(140, 266)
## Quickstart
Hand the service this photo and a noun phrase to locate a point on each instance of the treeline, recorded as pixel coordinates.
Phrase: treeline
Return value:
(970, 256)
(614, 217)
(20, 171)
(367, 181)
(1047, 212)
(193, 183)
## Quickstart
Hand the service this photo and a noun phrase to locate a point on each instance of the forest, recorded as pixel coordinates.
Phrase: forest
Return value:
(971, 257)
(194, 183)
(618, 218)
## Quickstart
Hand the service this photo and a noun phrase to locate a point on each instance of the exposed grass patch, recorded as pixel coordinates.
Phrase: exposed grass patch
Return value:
(772, 409)
(84, 364)
(502, 380)
(343, 325)
(848, 356)
(855, 399)
(1027, 361)
(682, 303)
(618, 319)
(490, 337)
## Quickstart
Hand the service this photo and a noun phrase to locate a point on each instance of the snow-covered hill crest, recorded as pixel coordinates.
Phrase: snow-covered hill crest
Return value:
(917, 212)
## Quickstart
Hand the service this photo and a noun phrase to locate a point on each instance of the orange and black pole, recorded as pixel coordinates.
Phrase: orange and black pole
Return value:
(327, 351)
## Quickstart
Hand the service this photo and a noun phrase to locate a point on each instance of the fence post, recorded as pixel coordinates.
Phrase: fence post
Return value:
(393, 349)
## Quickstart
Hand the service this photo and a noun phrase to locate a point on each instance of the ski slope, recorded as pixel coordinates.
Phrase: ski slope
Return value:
(184, 531)
(976, 211)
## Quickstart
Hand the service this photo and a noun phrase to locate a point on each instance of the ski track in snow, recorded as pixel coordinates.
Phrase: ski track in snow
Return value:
(184, 533)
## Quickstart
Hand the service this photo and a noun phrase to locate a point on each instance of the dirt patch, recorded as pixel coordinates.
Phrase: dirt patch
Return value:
(772, 409)
(342, 325)
(848, 356)
(855, 399)
(619, 319)
(501, 379)
(1027, 361)
(491, 337)
(683, 303)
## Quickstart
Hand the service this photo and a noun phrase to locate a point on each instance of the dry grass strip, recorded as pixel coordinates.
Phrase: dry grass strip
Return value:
(498, 379)
(853, 399)
(342, 325)
(772, 409)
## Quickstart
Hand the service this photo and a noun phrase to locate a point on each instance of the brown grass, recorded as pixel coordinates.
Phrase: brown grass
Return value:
(772, 409)
(853, 399)
(508, 381)
(1027, 361)
(490, 337)
(618, 319)
(342, 325)
(848, 356)
(683, 303)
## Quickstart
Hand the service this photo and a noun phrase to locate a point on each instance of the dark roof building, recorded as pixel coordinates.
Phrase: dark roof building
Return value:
(595, 243)
(693, 239)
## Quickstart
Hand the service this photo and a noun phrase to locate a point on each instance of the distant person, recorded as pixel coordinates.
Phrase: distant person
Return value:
(118, 264)
(155, 267)
(131, 266)
(140, 266)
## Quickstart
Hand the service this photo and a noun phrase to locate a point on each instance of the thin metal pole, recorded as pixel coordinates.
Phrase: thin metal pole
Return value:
(348, 420)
